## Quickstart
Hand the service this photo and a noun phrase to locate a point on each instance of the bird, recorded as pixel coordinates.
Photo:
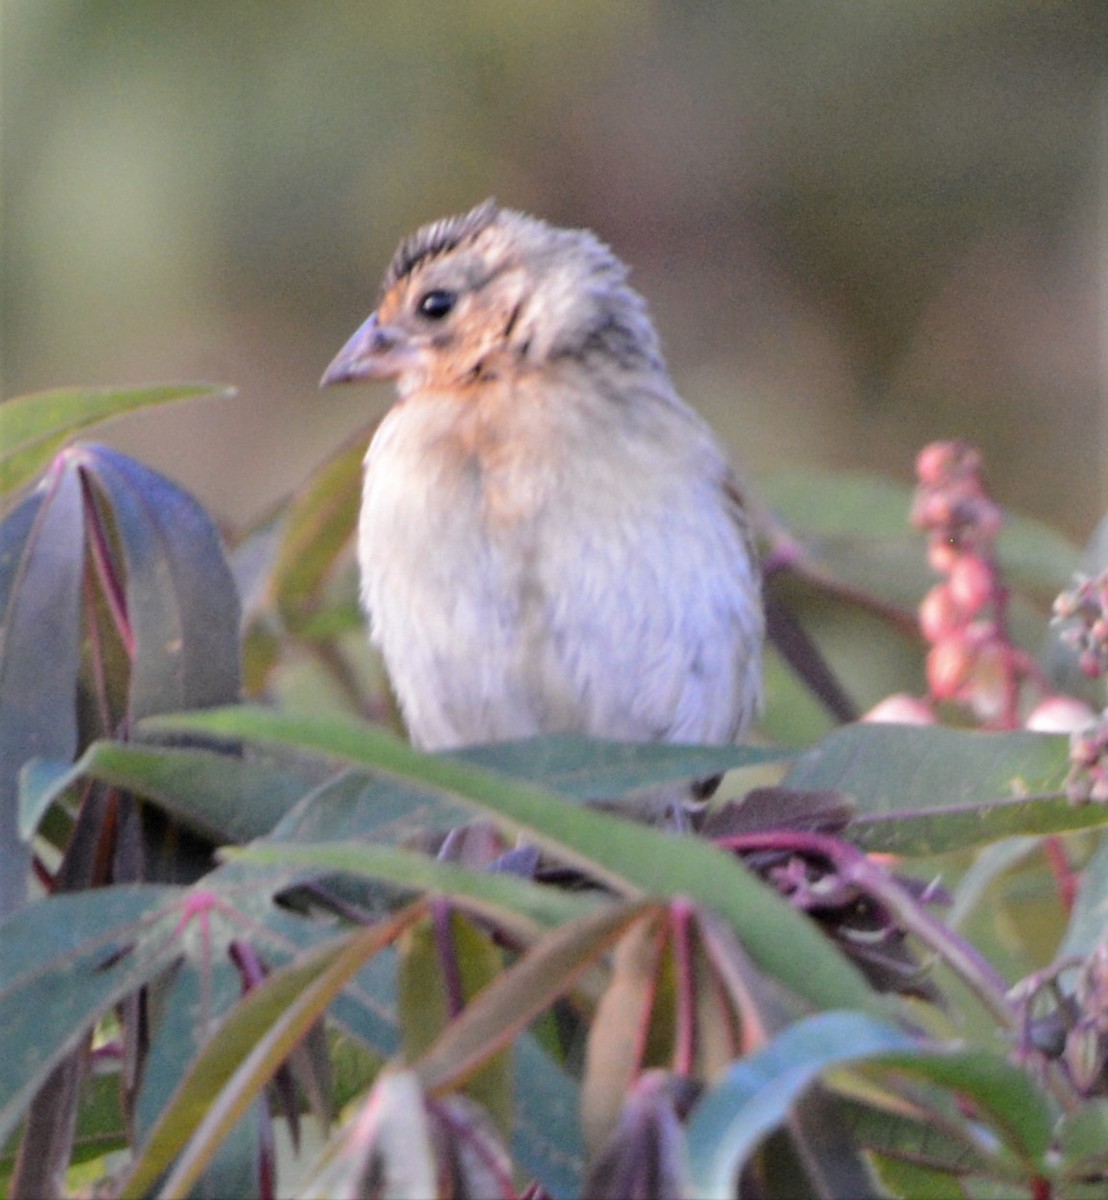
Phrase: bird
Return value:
(549, 540)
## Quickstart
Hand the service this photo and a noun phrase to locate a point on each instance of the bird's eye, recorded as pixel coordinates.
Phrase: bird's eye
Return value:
(436, 304)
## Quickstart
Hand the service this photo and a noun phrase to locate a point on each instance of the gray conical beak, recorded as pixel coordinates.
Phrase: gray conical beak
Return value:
(374, 352)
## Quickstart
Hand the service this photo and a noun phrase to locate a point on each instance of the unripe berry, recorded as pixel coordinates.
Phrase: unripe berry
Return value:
(971, 583)
(948, 665)
(942, 555)
(932, 463)
(987, 688)
(938, 613)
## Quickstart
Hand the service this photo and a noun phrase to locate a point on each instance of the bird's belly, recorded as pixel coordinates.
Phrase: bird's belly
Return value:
(449, 605)
(635, 631)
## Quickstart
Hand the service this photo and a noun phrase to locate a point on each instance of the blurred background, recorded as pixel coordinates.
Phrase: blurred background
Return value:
(860, 225)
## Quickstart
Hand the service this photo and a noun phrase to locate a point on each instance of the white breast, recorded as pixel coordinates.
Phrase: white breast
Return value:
(601, 586)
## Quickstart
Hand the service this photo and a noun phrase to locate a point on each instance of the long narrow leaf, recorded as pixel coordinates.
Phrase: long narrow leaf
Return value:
(756, 1094)
(64, 961)
(41, 562)
(632, 859)
(33, 427)
(181, 596)
(230, 798)
(524, 906)
(243, 1055)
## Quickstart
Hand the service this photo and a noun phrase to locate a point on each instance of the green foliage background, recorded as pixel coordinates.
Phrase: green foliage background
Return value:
(860, 225)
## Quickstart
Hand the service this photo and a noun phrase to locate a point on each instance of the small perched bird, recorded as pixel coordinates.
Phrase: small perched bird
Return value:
(550, 540)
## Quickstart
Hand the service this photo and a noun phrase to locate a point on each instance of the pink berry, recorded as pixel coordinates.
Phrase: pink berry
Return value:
(971, 583)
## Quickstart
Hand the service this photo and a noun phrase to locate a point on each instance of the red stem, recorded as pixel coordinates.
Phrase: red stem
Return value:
(685, 1049)
(100, 547)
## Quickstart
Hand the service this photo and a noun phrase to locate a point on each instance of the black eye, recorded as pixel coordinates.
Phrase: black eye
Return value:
(437, 304)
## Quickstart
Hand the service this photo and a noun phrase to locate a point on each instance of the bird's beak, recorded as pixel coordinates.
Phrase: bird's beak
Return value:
(374, 352)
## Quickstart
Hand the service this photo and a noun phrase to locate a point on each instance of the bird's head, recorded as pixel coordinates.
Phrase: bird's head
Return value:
(477, 296)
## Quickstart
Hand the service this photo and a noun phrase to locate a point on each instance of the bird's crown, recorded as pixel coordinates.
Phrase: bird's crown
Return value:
(555, 293)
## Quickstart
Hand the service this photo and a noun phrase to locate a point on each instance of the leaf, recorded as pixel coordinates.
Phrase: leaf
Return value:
(33, 427)
(64, 961)
(1035, 556)
(962, 827)
(546, 1140)
(251, 1043)
(222, 795)
(617, 1032)
(987, 866)
(386, 1144)
(892, 768)
(592, 769)
(757, 1092)
(840, 503)
(1083, 1139)
(1088, 924)
(524, 907)
(846, 509)
(318, 525)
(447, 961)
(520, 994)
(630, 858)
(181, 597)
(41, 565)
(359, 805)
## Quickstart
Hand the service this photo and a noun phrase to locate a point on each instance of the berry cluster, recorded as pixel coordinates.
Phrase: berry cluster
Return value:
(1088, 775)
(1083, 609)
(972, 660)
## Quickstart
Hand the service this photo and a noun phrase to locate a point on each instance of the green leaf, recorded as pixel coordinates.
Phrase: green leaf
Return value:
(546, 1140)
(65, 961)
(1005, 1096)
(424, 995)
(842, 503)
(1088, 922)
(891, 768)
(940, 830)
(357, 805)
(41, 564)
(519, 995)
(250, 1044)
(591, 769)
(926, 790)
(1035, 556)
(632, 859)
(757, 1092)
(181, 597)
(526, 907)
(227, 797)
(318, 525)
(33, 427)
(1083, 1139)
(846, 509)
